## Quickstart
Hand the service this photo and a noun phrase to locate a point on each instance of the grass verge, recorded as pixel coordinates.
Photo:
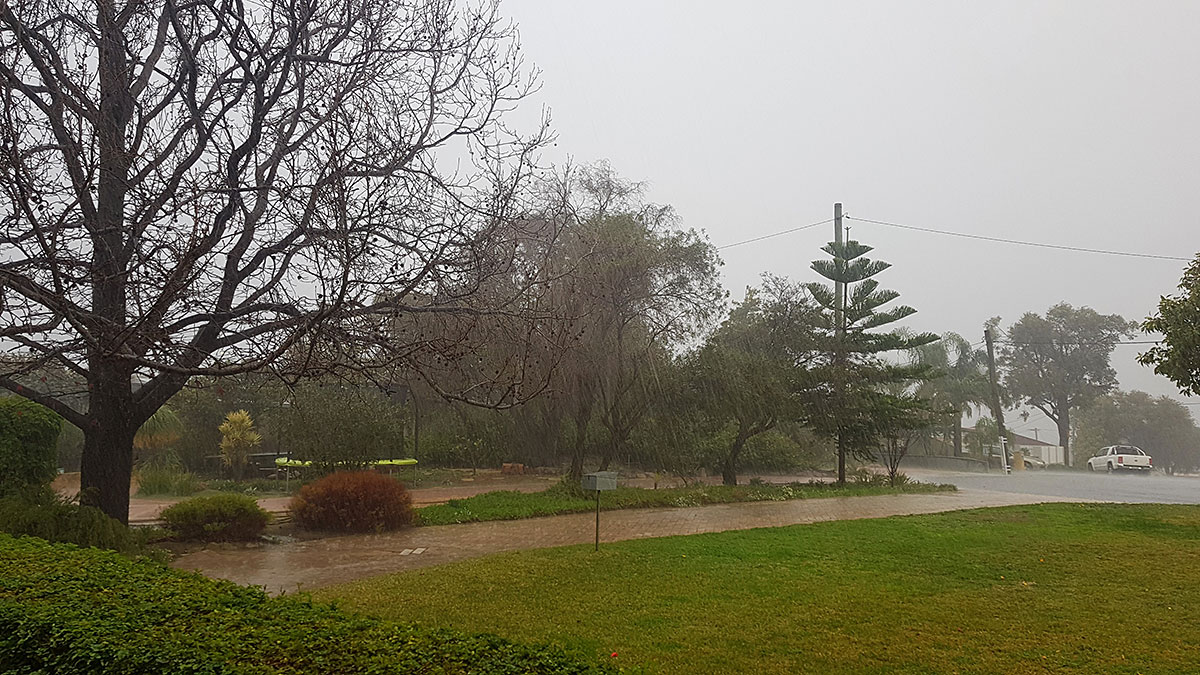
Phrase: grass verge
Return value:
(1074, 588)
(511, 505)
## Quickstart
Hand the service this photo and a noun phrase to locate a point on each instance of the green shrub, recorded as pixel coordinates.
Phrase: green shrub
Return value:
(224, 517)
(47, 516)
(28, 444)
(72, 611)
(353, 501)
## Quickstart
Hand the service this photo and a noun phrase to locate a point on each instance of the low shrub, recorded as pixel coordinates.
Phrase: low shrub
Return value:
(73, 611)
(353, 501)
(28, 444)
(47, 516)
(224, 517)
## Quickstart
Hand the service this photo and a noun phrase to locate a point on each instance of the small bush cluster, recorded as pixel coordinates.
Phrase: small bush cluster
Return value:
(73, 611)
(353, 501)
(224, 517)
(28, 444)
(41, 513)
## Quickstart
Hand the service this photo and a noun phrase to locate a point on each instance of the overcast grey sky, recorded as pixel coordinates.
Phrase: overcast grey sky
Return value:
(1073, 123)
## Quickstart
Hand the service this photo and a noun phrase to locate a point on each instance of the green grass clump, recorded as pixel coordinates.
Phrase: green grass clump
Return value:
(1068, 588)
(73, 611)
(167, 480)
(511, 505)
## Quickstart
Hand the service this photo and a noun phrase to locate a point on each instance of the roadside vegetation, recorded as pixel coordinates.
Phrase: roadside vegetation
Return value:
(511, 505)
(1074, 588)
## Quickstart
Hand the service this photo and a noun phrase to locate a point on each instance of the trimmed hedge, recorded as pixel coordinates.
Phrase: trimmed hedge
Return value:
(28, 444)
(224, 517)
(68, 611)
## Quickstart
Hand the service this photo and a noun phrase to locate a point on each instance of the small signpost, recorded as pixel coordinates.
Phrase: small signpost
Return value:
(598, 482)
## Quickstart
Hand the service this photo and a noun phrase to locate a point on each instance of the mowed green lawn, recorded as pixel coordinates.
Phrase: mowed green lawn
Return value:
(1049, 588)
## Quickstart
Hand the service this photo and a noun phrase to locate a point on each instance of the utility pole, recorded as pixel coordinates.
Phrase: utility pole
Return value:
(839, 292)
(997, 410)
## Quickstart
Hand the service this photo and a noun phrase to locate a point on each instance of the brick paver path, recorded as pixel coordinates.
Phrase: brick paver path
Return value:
(310, 564)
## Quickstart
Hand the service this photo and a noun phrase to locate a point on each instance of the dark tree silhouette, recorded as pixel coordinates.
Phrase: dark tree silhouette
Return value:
(205, 188)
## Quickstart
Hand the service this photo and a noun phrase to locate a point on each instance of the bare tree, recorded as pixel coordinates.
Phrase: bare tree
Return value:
(201, 188)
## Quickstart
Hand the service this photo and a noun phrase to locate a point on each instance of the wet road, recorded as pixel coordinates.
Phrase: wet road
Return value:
(310, 564)
(1071, 485)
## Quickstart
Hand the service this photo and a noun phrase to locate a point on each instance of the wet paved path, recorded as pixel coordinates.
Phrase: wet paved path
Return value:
(310, 564)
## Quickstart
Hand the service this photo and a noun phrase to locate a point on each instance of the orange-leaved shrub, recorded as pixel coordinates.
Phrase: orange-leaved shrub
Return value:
(353, 501)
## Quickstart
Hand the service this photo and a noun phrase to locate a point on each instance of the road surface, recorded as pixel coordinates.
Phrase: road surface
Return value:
(1133, 488)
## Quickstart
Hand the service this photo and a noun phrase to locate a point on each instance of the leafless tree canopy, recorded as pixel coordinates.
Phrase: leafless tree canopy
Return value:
(194, 187)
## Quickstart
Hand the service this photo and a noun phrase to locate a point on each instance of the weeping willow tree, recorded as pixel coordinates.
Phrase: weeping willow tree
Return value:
(853, 365)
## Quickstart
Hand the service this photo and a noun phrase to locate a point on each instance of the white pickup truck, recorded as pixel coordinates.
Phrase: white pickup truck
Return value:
(1121, 458)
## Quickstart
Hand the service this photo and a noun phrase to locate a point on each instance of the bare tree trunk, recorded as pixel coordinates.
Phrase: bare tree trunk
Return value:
(106, 467)
(958, 436)
(1064, 434)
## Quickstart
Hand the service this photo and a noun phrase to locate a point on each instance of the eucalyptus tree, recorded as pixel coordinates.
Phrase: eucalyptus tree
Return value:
(1061, 361)
(845, 381)
(194, 189)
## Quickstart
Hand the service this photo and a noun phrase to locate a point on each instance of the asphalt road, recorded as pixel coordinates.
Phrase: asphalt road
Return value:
(1134, 488)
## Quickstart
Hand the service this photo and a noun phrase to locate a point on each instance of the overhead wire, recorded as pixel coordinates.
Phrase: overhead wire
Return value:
(1018, 242)
(775, 234)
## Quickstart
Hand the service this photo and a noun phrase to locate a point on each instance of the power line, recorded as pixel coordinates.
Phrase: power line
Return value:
(775, 234)
(1079, 249)
(1081, 344)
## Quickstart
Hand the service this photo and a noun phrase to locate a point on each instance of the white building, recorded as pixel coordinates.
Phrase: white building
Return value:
(1032, 447)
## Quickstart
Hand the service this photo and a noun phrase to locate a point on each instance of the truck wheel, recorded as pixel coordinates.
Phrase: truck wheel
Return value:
(1110, 467)
(1091, 469)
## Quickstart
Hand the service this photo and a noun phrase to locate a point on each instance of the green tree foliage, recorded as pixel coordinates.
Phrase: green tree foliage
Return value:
(336, 424)
(1060, 361)
(899, 419)
(28, 444)
(238, 440)
(1178, 320)
(744, 377)
(202, 405)
(846, 378)
(1161, 426)
(957, 380)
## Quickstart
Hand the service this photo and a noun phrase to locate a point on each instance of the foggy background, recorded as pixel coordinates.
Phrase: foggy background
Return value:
(1070, 123)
